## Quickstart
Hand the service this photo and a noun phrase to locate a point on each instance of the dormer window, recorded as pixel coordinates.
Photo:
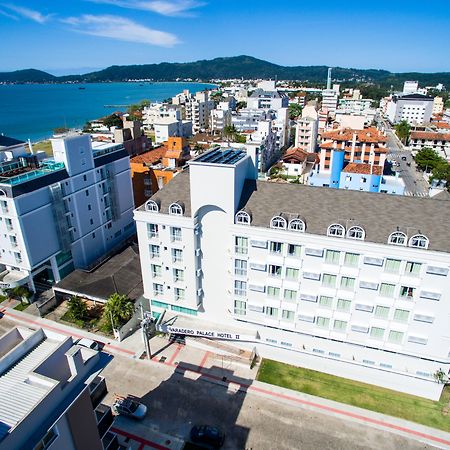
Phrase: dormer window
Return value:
(297, 225)
(175, 209)
(419, 241)
(242, 218)
(397, 238)
(336, 230)
(151, 206)
(278, 222)
(356, 233)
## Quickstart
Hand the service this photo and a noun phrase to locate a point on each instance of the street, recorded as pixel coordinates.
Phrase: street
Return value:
(415, 185)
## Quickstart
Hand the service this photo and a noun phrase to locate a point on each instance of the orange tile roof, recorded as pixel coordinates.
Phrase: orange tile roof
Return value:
(300, 155)
(363, 169)
(370, 134)
(150, 157)
(443, 125)
(430, 135)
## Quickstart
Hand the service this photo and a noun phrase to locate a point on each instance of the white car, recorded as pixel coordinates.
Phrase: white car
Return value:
(88, 343)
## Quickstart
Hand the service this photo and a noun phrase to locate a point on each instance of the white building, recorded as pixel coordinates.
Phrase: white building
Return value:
(315, 277)
(265, 96)
(156, 111)
(51, 393)
(416, 109)
(264, 140)
(307, 128)
(438, 105)
(64, 212)
(220, 118)
(439, 142)
(197, 109)
(410, 87)
(248, 119)
(330, 100)
(168, 127)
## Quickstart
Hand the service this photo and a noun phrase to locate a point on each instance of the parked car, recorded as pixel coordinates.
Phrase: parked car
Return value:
(88, 343)
(403, 158)
(126, 406)
(207, 435)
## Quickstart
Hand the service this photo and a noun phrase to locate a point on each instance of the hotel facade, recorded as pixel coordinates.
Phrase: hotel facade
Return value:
(351, 283)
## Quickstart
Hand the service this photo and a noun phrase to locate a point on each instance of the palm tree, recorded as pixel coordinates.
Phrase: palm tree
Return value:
(118, 310)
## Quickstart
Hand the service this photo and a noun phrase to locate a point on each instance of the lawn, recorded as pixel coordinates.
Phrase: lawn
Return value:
(21, 306)
(362, 395)
(46, 146)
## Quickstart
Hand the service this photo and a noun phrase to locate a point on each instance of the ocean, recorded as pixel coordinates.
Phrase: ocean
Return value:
(32, 111)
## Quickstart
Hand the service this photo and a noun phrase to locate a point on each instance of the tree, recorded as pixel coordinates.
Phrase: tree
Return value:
(427, 159)
(229, 131)
(60, 130)
(77, 309)
(402, 130)
(440, 376)
(294, 110)
(88, 127)
(240, 105)
(441, 172)
(113, 120)
(21, 293)
(118, 310)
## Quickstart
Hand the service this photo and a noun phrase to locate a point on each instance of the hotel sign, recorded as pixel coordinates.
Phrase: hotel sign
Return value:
(212, 334)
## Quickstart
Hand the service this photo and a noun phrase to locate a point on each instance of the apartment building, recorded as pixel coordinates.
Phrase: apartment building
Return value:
(264, 141)
(168, 127)
(63, 213)
(266, 96)
(317, 277)
(156, 111)
(197, 110)
(330, 100)
(440, 142)
(248, 119)
(307, 128)
(51, 393)
(219, 119)
(416, 109)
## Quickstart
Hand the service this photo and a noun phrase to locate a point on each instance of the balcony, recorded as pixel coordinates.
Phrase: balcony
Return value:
(152, 234)
(104, 417)
(97, 390)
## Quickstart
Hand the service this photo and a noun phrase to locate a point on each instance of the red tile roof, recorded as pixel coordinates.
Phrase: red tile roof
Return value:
(361, 168)
(150, 157)
(370, 134)
(430, 135)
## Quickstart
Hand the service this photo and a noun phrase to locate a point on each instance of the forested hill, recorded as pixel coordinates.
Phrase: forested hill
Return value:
(232, 67)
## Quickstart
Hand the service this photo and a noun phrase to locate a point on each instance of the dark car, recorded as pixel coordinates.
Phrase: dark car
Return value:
(403, 158)
(126, 406)
(208, 436)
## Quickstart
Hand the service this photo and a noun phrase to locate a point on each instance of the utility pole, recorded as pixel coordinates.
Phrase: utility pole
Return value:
(144, 327)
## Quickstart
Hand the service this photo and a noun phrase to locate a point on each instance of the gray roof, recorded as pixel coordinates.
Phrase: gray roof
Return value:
(6, 141)
(379, 214)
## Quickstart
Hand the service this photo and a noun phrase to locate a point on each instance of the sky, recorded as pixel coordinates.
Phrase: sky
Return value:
(78, 36)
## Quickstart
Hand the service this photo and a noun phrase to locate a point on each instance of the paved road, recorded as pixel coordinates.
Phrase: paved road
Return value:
(250, 421)
(414, 182)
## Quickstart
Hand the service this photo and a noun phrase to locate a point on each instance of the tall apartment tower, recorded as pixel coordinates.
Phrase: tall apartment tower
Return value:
(63, 213)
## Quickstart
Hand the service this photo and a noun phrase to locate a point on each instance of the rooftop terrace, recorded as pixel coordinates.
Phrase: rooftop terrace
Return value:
(224, 156)
(15, 173)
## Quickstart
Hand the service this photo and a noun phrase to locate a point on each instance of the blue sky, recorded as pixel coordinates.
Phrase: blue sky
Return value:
(76, 36)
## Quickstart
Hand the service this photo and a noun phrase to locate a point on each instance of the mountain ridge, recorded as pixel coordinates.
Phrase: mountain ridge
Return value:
(242, 66)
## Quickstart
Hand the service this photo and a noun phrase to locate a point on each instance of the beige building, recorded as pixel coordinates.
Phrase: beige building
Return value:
(438, 105)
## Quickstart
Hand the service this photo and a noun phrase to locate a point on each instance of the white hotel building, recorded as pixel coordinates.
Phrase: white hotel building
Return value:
(351, 283)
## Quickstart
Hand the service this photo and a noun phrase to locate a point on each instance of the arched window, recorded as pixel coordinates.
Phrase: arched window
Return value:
(297, 225)
(151, 206)
(243, 218)
(356, 233)
(397, 238)
(278, 222)
(336, 230)
(419, 241)
(175, 209)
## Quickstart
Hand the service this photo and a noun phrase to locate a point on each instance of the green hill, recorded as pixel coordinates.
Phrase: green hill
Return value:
(27, 76)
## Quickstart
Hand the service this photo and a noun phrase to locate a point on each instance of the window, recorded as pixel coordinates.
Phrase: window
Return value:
(272, 312)
(401, 315)
(240, 267)
(332, 256)
(419, 241)
(339, 325)
(91, 221)
(241, 245)
(273, 292)
(392, 265)
(387, 290)
(87, 192)
(343, 305)
(156, 270)
(291, 273)
(89, 207)
(351, 259)
(179, 294)
(336, 230)
(356, 233)
(175, 234)
(48, 439)
(274, 271)
(295, 250)
(347, 283)
(175, 209)
(329, 280)
(377, 333)
(287, 315)
(396, 337)
(84, 178)
(278, 222)
(276, 247)
(154, 251)
(243, 218)
(323, 322)
(382, 312)
(177, 255)
(297, 225)
(151, 206)
(325, 301)
(157, 289)
(290, 295)
(412, 268)
(178, 275)
(240, 288)
(240, 307)
(152, 230)
(397, 238)
(406, 291)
